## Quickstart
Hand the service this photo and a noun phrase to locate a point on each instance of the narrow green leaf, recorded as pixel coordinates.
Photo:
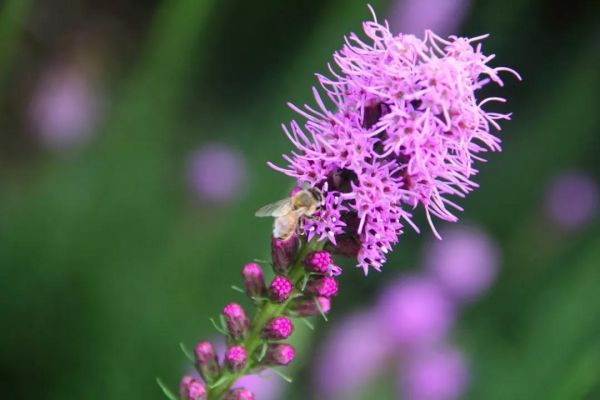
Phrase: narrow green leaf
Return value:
(321, 310)
(238, 289)
(308, 323)
(166, 390)
(224, 378)
(282, 375)
(217, 327)
(188, 354)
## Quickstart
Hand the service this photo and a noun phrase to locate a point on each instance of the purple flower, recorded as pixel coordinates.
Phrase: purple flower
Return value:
(351, 354)
(415, 312)
(404, 130)
(65, 107)
(266, 386)
(439, 374)
(415, 16)
(465, 262)
(217, 173)
(571, 200)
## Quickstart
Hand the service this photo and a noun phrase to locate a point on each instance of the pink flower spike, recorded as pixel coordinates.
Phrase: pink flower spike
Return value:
(404, 130)
(278, 328)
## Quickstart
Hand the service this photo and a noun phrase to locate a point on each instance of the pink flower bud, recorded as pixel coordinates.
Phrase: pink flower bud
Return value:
(309, 305)
(239, 394)
(283, 253)
(325, 286)
(192, 389)
(278, 328)
(281, 288)
(254, 282)
(206, 360)
(279, 354)
(237, 321)
(235, 358)
(318, 261)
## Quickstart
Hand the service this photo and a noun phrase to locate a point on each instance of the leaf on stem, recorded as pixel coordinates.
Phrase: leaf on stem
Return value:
(281, 375)
(188, 354)
(166, 390)
(217, 327)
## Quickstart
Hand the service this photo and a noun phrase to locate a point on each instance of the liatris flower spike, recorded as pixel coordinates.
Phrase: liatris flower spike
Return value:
(399, 128)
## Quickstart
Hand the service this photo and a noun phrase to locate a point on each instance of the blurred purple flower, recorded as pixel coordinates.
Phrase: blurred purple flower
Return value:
(65, 107)
(351, 354)
(415, 16)
(571, 200)
(265, 386)
(465, 261)
(217, 173)
(415, 312)
(440, 374)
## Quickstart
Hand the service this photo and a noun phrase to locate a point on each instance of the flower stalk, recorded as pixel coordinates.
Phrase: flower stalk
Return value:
(255, 343)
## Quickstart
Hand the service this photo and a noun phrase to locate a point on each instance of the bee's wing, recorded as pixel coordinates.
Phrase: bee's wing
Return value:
(277, 209)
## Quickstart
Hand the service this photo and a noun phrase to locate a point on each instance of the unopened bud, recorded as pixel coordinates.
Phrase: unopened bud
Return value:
(283, 253)
(192, 389)
(235, 358)
(310, 305)
(237, 321)
(254, 282)
(206, 361)
(280, 289)
(318, 261)
(278, 328)
(324, 286)
(279, 354)
(239, 394)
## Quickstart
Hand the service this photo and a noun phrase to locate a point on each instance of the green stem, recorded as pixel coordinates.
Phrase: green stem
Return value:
(266, 311)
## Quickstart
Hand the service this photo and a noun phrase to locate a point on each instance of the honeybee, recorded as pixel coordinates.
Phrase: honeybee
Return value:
(289, 211)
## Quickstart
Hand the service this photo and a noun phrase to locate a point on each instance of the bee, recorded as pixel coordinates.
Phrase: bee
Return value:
(288, 212)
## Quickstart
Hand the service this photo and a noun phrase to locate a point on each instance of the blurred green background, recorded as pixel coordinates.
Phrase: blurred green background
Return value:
(108, 260)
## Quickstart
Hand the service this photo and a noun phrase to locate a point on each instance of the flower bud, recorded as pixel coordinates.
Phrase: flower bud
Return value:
(235, 358)
(239, 394)
(283, 253)
(318, 261)
(192, 389)
(237, 321)
(206, 361)
(278, 328)
(280, 289)
(254, 282)
(309, 305)
(324, 286)
(279, 354)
